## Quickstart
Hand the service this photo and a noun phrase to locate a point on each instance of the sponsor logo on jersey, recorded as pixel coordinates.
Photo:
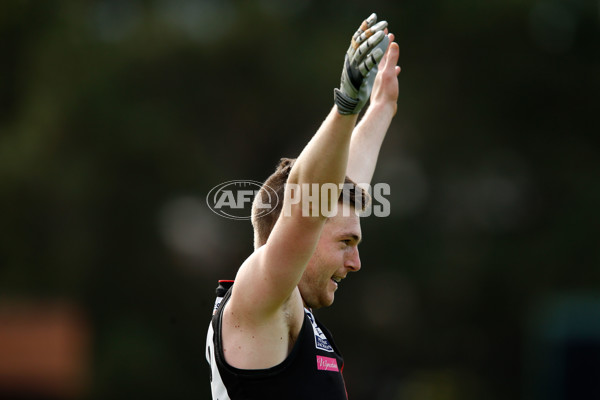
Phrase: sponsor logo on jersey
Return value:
(327, 364)
(321, 341)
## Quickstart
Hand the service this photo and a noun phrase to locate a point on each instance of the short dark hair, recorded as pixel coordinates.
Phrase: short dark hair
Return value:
(263, 223)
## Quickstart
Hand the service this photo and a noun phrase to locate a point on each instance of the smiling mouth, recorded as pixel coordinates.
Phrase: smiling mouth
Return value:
(336, 279)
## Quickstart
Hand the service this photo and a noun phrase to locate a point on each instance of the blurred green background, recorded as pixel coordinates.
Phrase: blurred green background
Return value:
(118, 117)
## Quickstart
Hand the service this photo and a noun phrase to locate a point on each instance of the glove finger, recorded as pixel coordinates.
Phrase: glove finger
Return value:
(368, 33)
(364, 26)
(367, 47)
(383, 45)
(366, 65)
(372, 60)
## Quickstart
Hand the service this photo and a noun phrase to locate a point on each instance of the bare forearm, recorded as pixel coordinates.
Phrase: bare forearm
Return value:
(369, 134)
(325, 157)
(366, 142)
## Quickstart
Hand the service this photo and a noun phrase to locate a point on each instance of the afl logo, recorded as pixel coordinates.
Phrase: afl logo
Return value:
(233, 199)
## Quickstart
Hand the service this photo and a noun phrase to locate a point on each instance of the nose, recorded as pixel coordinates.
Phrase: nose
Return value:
(352, 261)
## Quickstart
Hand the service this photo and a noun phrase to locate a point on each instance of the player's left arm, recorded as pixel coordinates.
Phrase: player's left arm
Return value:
(368, 135)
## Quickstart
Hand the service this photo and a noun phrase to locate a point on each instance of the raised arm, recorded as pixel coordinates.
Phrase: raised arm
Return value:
(368, 135)
(269, 276)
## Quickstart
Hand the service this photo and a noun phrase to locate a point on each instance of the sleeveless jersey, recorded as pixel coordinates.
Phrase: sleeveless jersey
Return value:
(312, 370)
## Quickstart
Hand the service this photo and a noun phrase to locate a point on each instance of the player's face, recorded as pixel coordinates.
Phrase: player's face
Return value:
(335, 256)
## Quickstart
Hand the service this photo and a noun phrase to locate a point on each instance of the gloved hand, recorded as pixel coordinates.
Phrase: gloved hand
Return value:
(367, 47)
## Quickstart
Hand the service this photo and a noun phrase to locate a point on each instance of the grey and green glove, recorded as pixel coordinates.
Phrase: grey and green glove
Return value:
(360, 66)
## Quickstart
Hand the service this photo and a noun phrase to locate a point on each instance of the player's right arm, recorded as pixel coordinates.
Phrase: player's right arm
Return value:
(269, 277)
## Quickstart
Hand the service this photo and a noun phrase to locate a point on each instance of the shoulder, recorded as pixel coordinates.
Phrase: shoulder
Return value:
(249, 343)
